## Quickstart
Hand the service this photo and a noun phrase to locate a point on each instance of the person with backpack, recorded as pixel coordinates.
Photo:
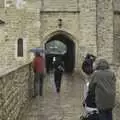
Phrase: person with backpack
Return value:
(87, 65)
(91, 110)
(58, 72)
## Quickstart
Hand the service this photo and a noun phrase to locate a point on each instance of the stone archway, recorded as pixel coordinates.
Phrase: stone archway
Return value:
(68, 57)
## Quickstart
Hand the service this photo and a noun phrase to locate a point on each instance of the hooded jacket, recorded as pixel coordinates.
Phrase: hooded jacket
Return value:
(102, 86)
(87, 66)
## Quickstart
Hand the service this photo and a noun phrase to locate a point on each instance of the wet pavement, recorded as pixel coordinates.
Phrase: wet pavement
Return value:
(67, 105)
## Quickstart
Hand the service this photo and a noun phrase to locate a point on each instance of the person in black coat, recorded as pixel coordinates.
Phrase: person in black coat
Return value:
(89, 97)
(58, 71)
(87, 65)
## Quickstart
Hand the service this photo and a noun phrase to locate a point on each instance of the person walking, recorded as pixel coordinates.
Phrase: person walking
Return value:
(58, 72)
(88, 69)
(102, 90)
(89, 100)
(87, 65)
(38, 67)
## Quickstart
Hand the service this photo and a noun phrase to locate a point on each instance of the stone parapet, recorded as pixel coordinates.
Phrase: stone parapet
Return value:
(15, 88)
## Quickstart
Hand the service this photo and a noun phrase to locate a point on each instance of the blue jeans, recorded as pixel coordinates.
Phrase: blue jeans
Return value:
(105, 114)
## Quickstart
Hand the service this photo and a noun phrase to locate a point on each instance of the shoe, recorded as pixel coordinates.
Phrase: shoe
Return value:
(34, 96)
(41, 95)
(58, 90)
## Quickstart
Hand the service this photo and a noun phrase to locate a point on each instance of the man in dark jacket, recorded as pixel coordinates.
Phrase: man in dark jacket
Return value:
(102, 90)
(58, 71)
(87, 65)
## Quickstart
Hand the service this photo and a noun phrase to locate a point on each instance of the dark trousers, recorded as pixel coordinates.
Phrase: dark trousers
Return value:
(57, 79)
(105, 114)
(38, 84)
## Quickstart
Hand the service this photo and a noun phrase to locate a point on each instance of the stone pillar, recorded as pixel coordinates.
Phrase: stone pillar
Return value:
(105, 29)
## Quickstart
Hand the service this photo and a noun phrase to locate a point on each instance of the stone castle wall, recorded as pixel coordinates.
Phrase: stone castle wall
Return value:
(118, 84)
(92, 28)
(105, 29)
(90, 24)
(116, 55)
(19, 23)
(116, 4)
(78, 19)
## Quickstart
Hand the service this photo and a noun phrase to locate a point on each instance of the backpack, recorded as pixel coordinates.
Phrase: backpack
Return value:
(87, 66)
(60, 68)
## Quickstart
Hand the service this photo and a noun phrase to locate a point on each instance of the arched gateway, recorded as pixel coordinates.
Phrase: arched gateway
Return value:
(64, 48)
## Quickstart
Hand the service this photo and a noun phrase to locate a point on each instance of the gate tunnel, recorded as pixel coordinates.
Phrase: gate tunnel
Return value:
(68, 57)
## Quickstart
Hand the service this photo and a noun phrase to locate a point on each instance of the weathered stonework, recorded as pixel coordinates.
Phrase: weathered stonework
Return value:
(105, 29)
(116, 4)
(15, 90)
(91, 28)
(1, 3)
(79, 20)
(19, 23)
(116, 21)
(90, 24)
(118, 84)
(116, 55)
(1, 99)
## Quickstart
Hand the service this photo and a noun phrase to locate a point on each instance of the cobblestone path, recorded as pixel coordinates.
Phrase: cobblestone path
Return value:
(64, 106)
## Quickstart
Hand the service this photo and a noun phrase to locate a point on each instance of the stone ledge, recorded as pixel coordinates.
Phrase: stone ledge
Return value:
(11, 69)
(16, 84)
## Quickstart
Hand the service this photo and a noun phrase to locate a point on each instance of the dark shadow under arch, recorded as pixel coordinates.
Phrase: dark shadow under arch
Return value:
(68, 57)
